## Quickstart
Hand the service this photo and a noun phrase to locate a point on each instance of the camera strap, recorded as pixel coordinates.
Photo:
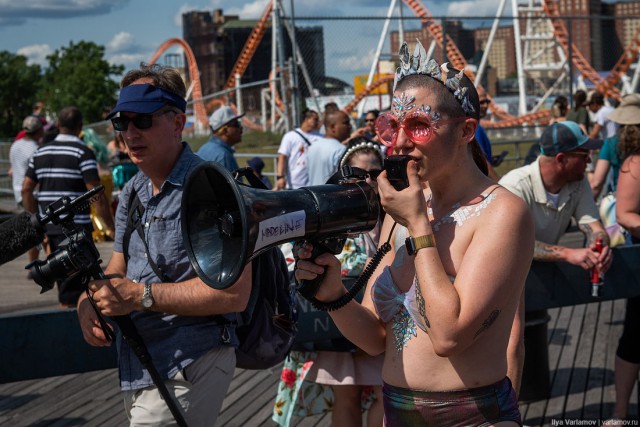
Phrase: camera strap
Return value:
(303, 137)
(135, 212)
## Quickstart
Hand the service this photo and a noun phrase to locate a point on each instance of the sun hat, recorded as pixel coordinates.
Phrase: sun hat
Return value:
(565, 136)
(256, 164)
(628, 112)
(222, 116)
(146, 99)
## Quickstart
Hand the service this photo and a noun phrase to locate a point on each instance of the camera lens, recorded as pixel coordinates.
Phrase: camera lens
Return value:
(57, 266)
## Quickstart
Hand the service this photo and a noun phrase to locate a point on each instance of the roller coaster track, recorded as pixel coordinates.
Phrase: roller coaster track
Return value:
(200, 110)
(250, 47)
(366, 91)
(605, 86)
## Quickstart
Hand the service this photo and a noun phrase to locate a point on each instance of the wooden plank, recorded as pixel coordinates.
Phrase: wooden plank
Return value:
(92, 401)
(10, 392)
(574, 405)
(558, 325)
(593, 395)
(14, 405)
(62, 400)
(261, 389)
(608, 391)
(562, 377)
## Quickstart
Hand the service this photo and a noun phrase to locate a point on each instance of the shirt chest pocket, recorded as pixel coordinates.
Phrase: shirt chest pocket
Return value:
(164, 238)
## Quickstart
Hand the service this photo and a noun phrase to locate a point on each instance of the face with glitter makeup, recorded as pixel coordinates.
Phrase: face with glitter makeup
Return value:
(419, 124)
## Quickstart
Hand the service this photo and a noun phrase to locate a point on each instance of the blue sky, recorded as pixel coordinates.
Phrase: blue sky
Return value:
(132, 30)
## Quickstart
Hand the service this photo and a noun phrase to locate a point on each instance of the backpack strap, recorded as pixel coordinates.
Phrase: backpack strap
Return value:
(135, 212)
(303, 137)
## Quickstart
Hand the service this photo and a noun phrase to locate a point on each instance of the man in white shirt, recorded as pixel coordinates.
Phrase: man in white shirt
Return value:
(325, 153)
(292, 155)
(603, 128)
(19, 156)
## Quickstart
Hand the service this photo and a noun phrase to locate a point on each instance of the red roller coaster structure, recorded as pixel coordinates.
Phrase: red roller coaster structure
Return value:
(606, 85)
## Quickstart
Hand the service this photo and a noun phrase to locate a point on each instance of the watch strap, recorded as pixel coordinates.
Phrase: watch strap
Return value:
(414, 244)
(147, 296)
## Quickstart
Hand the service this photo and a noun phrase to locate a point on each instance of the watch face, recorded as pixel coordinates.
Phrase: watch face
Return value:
(147, 302)
(410, 245)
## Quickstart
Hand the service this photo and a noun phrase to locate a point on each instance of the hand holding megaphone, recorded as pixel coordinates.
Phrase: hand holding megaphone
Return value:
(311, 271)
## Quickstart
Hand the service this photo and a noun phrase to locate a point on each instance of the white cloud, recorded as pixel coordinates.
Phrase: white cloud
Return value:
(36, 54)
(477, 8)
(120, 42)
(355, 62)
(129, 60)
(251, 10)
(58, 8)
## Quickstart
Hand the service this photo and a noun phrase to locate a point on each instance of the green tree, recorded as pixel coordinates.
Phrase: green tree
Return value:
(19, 84)
(79, 75)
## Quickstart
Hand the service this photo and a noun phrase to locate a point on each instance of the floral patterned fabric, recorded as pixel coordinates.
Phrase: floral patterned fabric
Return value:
(297, 397)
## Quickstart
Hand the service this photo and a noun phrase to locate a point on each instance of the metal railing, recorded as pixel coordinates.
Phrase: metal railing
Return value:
(6, 188)
(242, 158)
(517, 151)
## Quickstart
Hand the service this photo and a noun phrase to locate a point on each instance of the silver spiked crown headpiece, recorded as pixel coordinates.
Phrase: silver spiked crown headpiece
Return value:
(418, 64)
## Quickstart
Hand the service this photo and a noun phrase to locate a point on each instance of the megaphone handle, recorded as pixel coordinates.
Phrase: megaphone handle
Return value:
(309, 288)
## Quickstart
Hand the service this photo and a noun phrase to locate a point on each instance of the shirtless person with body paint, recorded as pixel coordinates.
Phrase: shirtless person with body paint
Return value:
(442, 302)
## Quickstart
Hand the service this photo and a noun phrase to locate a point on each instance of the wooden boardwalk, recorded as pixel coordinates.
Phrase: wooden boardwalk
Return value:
(582, 343)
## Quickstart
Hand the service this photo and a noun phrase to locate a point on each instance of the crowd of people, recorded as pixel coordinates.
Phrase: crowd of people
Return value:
(438, 336)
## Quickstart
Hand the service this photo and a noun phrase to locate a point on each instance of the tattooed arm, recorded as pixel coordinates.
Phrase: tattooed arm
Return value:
(593, 231)
(547, 252)
(586, 258)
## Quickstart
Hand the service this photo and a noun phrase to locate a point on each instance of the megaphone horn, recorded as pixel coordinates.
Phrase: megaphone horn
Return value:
(226, 223)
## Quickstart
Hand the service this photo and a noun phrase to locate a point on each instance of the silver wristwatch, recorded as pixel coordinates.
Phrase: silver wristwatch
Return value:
(147, 297)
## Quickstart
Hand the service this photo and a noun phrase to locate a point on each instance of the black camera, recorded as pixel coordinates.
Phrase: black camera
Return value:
(396, 167)
(76, 254)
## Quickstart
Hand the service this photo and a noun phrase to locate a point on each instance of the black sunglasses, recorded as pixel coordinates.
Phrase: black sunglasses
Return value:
(373, 173)
(485, 101)
(234, 124)
(141, 121)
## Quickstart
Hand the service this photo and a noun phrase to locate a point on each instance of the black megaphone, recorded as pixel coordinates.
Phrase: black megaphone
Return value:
(226, 223)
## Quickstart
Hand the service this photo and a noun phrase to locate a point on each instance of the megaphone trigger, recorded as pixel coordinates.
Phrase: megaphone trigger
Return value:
(334, 245)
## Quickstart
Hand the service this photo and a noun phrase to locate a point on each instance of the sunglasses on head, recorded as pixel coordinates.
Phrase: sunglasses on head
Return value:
(140, 121)
(418, 125)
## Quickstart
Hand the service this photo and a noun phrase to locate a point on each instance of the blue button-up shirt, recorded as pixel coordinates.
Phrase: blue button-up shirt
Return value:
(173, 341)
(217, 150)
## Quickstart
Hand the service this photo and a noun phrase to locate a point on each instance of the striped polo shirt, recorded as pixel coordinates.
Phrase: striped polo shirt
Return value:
(62, 168)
